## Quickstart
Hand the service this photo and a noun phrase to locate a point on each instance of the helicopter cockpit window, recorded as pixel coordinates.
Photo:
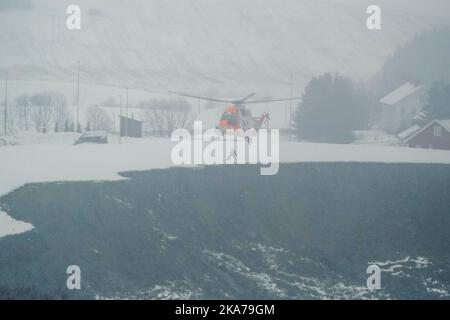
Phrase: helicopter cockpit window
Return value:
(231, 118)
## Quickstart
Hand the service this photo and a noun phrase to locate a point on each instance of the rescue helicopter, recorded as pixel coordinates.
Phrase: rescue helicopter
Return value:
(236, 115)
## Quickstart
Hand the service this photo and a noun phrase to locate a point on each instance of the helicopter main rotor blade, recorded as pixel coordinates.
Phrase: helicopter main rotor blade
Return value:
(202, 98)
(236, 102)
(272, 100)
(246, 98)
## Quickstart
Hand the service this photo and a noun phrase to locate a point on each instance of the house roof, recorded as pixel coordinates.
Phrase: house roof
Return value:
(405, 134)
(131, 118)
(445, 123)
(116, 112)
(400, 93)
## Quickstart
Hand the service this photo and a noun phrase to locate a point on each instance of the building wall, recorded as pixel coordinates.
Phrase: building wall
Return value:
(130, 127)
(426, 139)
(388, 119)
(396, 118)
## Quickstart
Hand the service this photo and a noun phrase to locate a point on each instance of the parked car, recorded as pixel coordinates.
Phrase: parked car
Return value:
(99, 137)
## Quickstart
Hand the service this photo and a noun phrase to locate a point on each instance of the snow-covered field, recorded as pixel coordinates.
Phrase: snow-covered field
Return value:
(22, 164)
(9, 226)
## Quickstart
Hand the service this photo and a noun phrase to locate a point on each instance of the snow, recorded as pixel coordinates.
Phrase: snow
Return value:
(161, 45)
(400, 93)
(263, 280)
(50, 138)
(408, 132)
(275, 279)
(446, 124)
(91, 134)
(169, 290)
(405, 263)
(24, 164)
(413, 267)
(93, 162)
(322, 152)
(443, 123)
(47, 163)
(374, 136)
(9, 226)
(225, 47)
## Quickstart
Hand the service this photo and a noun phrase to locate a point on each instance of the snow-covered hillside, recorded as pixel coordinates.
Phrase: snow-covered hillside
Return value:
(229, 45)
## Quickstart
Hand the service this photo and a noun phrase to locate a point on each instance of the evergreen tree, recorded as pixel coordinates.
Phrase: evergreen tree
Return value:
(437, 105)
(424, 59)
(330, 110)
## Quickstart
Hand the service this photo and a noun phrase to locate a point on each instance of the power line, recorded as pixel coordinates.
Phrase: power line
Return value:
(6, 102)
(78, 97)
(126, 122)
(290, 102)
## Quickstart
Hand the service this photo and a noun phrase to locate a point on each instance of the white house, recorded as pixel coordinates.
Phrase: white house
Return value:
(399, 107)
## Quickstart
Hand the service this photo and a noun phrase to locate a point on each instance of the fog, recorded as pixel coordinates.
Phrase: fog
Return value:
(225, 47)
(136, 138)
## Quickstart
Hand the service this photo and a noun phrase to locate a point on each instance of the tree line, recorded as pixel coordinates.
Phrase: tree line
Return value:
(48, 111)
(334, 106)
(331, 108)
(41, 111)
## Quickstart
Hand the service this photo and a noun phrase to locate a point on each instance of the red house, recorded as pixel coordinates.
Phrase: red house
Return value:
(435, 135)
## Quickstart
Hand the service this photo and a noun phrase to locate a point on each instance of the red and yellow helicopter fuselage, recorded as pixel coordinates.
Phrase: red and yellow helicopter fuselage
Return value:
(235, 117)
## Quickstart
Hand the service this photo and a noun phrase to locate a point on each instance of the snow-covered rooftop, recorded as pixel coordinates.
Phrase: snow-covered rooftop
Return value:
(445, 123)
(400, 93)
(405, 134)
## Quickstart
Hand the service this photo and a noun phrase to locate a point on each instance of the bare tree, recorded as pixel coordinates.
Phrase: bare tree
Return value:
(22, 103)
(41, 111)
(98, 119)
(60, 109)
(42, 108)
(163, 116)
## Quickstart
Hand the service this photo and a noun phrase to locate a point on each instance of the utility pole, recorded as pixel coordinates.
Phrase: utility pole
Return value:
(78, 97)
(290, 102)
(126, 122)
(6, 101)
(120, 120)
(120, 105)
